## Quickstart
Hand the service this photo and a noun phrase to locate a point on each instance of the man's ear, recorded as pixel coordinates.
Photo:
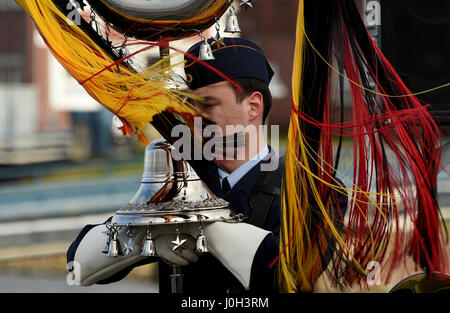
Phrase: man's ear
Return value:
(255, 104)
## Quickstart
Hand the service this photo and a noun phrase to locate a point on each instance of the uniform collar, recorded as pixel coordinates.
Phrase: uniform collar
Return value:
(237, 174)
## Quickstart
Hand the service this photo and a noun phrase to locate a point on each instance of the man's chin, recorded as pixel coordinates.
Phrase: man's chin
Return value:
(229, 165)
(223, 163)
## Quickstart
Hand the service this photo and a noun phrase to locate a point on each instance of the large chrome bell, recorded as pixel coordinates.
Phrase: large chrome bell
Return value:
(170, 192)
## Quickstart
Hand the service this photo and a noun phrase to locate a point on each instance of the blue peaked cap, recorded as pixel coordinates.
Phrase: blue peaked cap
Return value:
(237, 58)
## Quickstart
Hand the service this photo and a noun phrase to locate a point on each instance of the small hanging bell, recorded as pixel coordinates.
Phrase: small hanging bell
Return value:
(205, 53)
(114, 247)
(123, 52)
(232, 25)
(96, 27)
(106, 247)
(94, 24)
(201, 245)
(109, 233)
(148, 247)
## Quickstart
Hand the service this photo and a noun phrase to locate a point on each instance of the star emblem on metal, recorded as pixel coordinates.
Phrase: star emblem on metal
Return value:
(246, 4)
(218, 41)
(178, 243)
(128, 246)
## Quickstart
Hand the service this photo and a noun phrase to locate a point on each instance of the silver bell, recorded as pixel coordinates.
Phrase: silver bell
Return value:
(114, 247)
(205, 53)
(201, 245)
(96, 27)
(123, 52)
(232, 25)
(148, 248)
(106, 247)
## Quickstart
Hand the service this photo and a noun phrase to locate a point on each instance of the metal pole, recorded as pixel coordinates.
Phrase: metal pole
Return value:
(163, 53)
(176, 280)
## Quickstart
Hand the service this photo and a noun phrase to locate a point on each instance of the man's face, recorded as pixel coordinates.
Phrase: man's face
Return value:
(221, 105)
(234, 118)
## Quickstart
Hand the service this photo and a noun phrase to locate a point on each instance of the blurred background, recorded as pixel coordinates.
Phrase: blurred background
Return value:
(63, 164)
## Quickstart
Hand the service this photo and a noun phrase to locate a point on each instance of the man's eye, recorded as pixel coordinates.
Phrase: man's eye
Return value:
(208, 105)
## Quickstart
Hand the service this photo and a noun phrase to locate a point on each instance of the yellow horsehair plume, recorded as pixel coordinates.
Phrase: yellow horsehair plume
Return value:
(134, 96)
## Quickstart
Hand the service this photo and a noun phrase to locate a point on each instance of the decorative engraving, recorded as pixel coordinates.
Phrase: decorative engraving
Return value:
(176, 206)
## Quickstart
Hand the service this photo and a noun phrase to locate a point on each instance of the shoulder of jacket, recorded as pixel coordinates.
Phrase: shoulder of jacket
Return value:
(270, 181)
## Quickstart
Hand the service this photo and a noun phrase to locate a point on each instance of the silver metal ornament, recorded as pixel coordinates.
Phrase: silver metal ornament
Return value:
(232, 25)
(205, 53)
(178, 244)
(148, 247)
(217, 39)
(109, 233)
(246, 4)
(128, 246)
(201, 245)
(94, 24)
(96, 27)
(123, 52)
(106, 247)
(114, 247)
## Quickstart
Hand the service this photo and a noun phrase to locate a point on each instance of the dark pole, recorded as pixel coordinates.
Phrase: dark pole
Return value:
(176, 278)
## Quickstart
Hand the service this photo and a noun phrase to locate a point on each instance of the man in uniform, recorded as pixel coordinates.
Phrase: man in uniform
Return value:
(252, 184)
(242, 252)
